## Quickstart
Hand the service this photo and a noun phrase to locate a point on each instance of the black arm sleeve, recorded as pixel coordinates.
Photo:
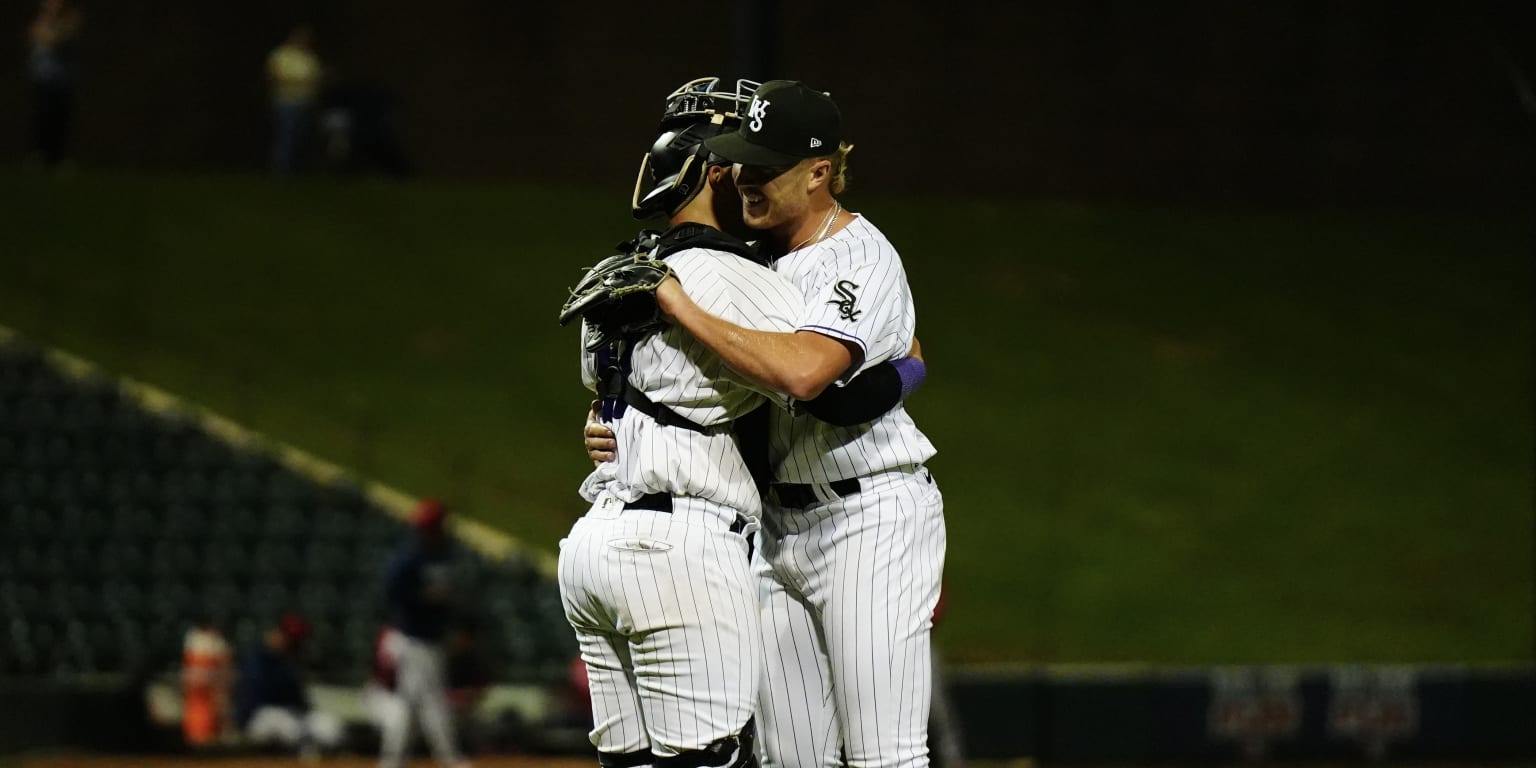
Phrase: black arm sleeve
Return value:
(865, 399)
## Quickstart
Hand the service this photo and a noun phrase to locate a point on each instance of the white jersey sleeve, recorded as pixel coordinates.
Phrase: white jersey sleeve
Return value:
(674, 368)
(859, 294)
(873, 310)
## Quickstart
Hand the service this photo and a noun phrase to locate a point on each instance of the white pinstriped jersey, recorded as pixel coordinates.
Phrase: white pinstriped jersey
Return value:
(855, 289)
(673, 369)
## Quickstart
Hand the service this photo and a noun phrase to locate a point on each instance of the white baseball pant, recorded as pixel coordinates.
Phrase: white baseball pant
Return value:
(277, 725)
(664, 607)
(848, 588)
(421, 687)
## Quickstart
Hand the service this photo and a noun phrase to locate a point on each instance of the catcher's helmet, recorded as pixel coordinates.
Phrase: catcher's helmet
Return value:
(673, 171)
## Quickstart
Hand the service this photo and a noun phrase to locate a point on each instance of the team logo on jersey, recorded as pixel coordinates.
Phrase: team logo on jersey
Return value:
(845, 299)
(755, 111)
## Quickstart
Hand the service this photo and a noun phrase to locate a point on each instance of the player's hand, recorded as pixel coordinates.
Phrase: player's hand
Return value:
(599, 439)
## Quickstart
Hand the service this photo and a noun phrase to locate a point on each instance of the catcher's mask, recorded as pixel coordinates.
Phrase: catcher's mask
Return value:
(674, 170)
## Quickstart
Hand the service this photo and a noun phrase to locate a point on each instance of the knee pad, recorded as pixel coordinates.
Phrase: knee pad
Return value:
(737, 751)
(625, 759)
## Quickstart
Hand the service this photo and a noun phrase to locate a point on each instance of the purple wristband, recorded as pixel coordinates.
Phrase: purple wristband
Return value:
(911, 371)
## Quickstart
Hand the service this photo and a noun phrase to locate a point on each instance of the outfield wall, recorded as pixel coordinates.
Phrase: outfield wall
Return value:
(1224, 714)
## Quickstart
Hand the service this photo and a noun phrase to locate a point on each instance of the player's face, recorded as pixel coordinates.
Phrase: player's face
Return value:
(774, 198)
(727, 204)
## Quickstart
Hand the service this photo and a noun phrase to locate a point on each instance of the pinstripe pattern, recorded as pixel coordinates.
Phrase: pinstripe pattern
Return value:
(847, 593)
(848, 586)
(807, 450)
(675, 370)
(663, 607)
(663, 604)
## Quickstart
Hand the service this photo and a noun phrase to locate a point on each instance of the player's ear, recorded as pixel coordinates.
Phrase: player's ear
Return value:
(820, 175)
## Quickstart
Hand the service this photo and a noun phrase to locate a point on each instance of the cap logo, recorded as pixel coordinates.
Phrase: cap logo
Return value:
(815, 143)
(755, 111)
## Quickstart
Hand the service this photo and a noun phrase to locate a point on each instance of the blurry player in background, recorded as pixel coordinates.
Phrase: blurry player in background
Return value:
(421, 592)
(391, 712)
(271, 703)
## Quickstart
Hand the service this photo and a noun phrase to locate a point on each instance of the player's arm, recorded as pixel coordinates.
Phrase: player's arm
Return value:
(872, 393)
(869, 396)
(800, 364)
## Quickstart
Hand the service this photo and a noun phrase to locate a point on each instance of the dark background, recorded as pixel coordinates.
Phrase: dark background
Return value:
(1229, 305)
(1289, 103)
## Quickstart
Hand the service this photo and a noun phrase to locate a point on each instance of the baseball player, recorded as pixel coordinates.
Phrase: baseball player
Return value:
(853, 532)
(655, 578)
(271, 698)
(419, 588)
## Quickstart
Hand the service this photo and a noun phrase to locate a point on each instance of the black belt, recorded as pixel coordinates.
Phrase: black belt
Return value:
(662, 502)
(804, 495)
(655, 502)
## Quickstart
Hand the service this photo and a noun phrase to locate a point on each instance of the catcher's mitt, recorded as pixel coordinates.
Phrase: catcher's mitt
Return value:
(618, 298)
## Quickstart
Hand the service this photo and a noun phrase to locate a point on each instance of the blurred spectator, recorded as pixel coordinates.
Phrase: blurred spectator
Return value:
(293, 73)
(205, 678)
(51, 68)
(421, 592)
(271, 704)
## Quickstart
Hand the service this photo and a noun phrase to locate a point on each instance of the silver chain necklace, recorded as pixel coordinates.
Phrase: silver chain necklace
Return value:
(826, 228)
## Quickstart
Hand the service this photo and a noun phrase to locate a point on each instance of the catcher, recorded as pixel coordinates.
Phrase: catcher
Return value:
(654, 578)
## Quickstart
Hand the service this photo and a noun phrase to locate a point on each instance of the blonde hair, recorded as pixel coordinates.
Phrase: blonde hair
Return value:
(840, 167)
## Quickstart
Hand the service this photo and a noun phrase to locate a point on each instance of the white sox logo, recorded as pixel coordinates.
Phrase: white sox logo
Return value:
(845, 300)
(755, 111)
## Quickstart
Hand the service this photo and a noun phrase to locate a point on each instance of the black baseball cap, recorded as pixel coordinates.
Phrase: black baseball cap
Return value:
(786, 122)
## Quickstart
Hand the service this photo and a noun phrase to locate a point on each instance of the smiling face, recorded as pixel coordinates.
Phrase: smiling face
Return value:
(779, 200)
(725, 204)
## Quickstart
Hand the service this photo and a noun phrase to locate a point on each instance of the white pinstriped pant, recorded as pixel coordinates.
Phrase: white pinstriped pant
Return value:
(664, 607)
(847, 590)
(421, 687)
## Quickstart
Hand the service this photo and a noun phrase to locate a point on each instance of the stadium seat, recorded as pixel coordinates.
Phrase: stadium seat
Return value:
(284, 522)
(185, 521)
(20, 599)
(123, 561)
(174, 560)
(184, 485)
(227, 559)
(123, 600)
(123, 527)
(221, 600)
(233, 521)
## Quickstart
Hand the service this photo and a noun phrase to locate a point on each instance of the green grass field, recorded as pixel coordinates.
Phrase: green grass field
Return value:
(1166, 435)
